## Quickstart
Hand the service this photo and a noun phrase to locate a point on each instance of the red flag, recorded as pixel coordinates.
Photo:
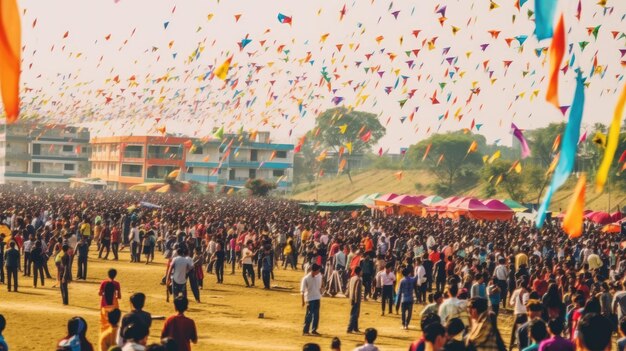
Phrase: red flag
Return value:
(623, 157)
(366, 137)
(557, 50)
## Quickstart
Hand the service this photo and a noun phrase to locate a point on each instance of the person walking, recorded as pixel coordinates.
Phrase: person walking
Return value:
(355, 290)
(266, 267)
(220, 256)
(134, 237)
(66, 272)
(246, 259)
(105, 241)
(406, 288)
(12, 264)
(115, 242)
(311, 290)
(386, 278)
(27, 248)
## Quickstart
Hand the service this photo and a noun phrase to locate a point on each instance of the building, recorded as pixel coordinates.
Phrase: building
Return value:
(240, 157)
(42, 154)
(125, 161)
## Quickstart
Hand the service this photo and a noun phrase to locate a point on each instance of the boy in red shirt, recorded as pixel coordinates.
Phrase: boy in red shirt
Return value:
(179, 327)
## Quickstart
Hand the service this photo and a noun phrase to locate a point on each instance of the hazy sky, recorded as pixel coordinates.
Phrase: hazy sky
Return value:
(122, 51)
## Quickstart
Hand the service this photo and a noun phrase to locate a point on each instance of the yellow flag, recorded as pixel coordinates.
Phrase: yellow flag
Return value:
(518, 168)
(599, 139)
(472, 148)
(555, 161)
(499, 179)
(222, 71)
(573, 220)
(611, 145)
(495, 156)
(322, 156)
(349, 147)
(343, 128)
(485, 158)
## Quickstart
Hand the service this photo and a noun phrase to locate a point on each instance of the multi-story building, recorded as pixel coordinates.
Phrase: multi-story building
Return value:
(240, 157)
(128, 160)
(42, 154)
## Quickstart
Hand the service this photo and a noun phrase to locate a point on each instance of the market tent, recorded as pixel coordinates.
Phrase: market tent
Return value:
(330, 206)
(616, 216)
(431, 200)
(383, 199)
(474, 208)
(600, 217)
(407, 200)
(496, 205)
(514, 205)
(365, 199)
(440, 207)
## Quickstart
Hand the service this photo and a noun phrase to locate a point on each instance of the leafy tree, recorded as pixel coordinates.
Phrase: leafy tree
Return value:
(456, 169)
(334, 129)
(511, 182)
(536, 179)
(541, 141)
(260, 187)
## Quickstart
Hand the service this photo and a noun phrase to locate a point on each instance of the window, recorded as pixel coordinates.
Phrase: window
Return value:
(190, 170)
(198, 150)
(252, 173)
(68, 148)
(68, 167)
(278, 172)
(281, 154)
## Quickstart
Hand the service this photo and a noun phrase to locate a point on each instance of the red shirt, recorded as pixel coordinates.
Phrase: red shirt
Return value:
(182, 330)
(540, 286)
(116, 295)
(434, 256)
(115, 235)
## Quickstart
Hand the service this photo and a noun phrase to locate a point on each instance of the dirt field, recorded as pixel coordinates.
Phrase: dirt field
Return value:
(227, 318)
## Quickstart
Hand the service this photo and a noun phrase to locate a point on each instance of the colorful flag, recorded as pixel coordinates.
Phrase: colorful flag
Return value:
(428, 150)
(557, 50)
(613, 140)
(222, 71)
(472, 148)
(573, 220)
(544, 18)
(517, 133)
(10, 57)
(568, 148)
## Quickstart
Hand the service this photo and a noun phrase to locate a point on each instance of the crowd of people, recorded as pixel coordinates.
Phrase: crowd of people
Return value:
(561, 293)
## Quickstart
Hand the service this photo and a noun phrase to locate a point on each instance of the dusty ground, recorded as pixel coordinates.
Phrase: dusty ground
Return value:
(227, 318)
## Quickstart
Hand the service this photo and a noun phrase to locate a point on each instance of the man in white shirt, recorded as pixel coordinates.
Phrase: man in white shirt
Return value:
(135, 243)
(420, 276)
(370, 337)
(246, 260)
(27, 247)
(501, 273)
(311, 290)
(386, 278)
(450, 307)
(177, 273)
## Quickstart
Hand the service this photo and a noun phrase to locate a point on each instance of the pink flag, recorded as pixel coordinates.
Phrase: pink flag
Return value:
(520, 137)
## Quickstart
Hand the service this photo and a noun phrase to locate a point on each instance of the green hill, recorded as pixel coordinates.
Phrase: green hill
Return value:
(340, 189)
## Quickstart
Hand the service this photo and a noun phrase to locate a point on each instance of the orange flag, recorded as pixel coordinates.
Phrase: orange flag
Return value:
(472, 148)
(428, 150)
(10, 52)
(557, 49)
(573, 220)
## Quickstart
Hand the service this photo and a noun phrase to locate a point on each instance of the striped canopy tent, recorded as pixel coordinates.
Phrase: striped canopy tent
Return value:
(476, 209)
(408, 204)
(514, 205)
(384, 199)
(365, 199)
(614, 227)
(431, 200)
(440, 207)
(616, 216)
(600, 217)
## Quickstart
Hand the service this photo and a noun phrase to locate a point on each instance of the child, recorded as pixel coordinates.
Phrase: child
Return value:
(110, 292)
(108, 337)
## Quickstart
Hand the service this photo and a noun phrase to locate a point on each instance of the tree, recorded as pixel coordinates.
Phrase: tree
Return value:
(337, 128)
(260, 187)
(509, 180)
(541, 142)
(536, 179)
(449, 160)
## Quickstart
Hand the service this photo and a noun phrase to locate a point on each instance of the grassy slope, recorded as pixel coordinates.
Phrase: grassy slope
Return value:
(384, 181)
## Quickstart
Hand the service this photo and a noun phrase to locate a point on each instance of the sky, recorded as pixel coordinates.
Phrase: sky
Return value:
(144, 66)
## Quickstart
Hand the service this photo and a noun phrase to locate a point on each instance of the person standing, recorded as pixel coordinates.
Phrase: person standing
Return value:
(501, 274)
(386, 278)
(66, 272)
(179, 327)
(105, 241)
(355, 289)
(311, 290)
(135, 243)
(12, 264)
(27, 248)
(177, 273)
(82, 249)
(440, 273)
(36, 256)
(220, 256)
(2, 244)
(108, 336)
(266, 267)
(136, 316)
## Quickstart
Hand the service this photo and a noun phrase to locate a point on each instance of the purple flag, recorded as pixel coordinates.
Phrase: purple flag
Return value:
(520, 137)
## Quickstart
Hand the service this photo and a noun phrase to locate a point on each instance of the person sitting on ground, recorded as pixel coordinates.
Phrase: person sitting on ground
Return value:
(594, 333)
(370, 337)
